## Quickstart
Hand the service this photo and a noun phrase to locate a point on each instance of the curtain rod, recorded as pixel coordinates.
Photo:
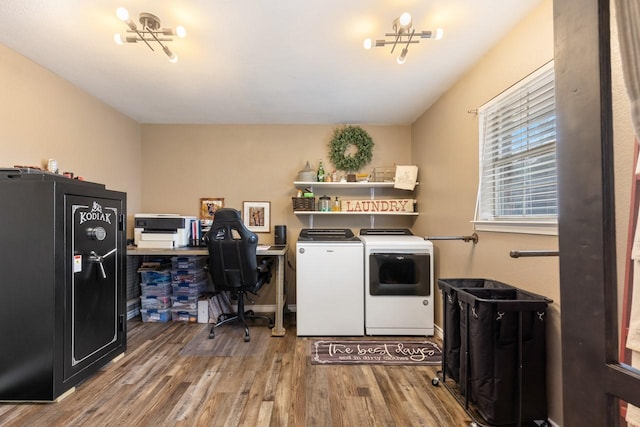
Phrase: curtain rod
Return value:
(473, 238)
(519, 254)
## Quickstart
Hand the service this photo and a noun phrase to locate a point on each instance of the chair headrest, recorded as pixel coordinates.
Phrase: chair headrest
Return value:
(227, 214)
(229, 219)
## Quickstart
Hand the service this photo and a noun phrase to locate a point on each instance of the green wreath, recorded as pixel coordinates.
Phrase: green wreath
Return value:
(340, 142)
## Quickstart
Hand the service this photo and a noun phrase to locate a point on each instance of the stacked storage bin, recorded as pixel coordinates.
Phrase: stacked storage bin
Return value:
(155, 301)
(189, 282)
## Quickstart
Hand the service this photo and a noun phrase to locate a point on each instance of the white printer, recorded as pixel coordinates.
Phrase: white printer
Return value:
(162, 230)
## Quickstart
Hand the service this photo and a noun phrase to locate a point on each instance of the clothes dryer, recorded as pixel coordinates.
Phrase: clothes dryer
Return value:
(398, 285)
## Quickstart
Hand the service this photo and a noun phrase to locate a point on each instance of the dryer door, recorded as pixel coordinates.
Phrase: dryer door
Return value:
(399, 274)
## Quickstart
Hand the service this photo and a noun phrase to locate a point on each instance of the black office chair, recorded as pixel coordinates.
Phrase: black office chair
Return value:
(233, 265)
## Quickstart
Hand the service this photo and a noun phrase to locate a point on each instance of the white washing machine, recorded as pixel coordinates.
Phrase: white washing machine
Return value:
(329, 283)
(398, 283)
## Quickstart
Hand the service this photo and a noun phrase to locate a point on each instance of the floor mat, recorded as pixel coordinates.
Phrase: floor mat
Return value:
(375, 352)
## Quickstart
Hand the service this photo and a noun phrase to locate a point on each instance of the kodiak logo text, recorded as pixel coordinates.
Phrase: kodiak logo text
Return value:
(96, 214)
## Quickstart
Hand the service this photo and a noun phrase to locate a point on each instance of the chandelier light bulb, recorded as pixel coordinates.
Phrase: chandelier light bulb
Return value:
(405, 19)
(439, 33)
(117, 37)
(367, 43)
(181, 31)
(172, 56)
(403, 56)
(122, 14)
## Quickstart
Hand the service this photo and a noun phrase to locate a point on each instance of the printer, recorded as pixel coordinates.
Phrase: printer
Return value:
(162, 230)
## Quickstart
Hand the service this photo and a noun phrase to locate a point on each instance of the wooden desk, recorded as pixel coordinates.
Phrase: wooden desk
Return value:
(278, 252)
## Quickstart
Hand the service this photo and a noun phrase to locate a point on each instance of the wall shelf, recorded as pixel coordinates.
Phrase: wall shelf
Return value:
(371, 186)
(343, 185)
(354, 213)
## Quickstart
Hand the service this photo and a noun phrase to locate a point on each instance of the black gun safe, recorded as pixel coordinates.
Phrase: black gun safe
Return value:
(62, 277)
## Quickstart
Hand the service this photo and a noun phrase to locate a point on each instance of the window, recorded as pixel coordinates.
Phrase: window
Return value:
(518, 188)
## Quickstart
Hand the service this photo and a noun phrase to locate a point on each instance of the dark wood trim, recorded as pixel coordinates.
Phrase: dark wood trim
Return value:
(588, 287)
(581, 225)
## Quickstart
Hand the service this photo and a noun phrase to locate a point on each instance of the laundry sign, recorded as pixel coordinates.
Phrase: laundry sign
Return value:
(378, 205)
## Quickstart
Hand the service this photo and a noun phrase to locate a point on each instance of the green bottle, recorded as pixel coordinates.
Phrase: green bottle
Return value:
(320, 172)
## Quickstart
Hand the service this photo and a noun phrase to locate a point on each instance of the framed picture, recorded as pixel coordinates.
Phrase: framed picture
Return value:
(256, 216)
(209, 206)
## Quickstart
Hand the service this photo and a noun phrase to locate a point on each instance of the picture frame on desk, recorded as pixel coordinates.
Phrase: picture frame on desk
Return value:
(209, 206)
(257, 216)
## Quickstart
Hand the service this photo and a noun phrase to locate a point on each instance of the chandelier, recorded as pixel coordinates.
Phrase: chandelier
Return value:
(403, 35)
(150, 32)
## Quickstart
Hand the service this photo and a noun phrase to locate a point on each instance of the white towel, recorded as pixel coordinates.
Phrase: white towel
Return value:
(406, 177)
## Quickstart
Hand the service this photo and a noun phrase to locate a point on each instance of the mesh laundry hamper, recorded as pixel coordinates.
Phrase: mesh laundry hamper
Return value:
(505, 330)
(451, 315)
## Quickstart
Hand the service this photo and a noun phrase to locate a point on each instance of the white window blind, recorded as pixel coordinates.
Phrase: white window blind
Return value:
(518, 153)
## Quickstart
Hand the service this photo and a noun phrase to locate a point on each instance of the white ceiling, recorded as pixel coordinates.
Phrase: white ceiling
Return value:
(260, 61)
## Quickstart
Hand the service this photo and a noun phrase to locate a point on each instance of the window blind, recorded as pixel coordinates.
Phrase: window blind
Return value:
(518, 152)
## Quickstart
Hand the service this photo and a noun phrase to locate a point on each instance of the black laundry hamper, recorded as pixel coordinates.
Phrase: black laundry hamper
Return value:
(452, 324)
(504, 349)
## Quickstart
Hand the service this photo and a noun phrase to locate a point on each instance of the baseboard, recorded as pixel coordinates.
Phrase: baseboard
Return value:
(265, 308)
(258, 308)
(117, 358)
(65, 394)
(438, 331)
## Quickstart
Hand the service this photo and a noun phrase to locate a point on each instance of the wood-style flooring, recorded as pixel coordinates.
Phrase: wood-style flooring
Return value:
(164, 381)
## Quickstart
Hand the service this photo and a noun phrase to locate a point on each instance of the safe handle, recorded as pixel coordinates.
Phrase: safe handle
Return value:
(94, 257)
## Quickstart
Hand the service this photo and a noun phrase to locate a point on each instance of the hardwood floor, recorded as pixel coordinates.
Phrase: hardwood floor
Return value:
(164, 379)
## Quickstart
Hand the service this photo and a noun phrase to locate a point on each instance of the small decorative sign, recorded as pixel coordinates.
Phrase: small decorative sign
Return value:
(379, 205)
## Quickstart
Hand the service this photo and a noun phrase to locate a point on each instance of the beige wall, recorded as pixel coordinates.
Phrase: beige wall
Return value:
(183, 163)
(445, 147)
(47, 117)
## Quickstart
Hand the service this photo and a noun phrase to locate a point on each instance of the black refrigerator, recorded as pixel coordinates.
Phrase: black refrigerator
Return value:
(62, 278)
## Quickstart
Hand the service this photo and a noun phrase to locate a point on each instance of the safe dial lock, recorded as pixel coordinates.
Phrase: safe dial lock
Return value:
(97, 233)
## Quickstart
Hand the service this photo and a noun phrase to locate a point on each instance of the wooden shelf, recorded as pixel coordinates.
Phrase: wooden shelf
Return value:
(342, 185)
(354, 213)
(371, 187)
